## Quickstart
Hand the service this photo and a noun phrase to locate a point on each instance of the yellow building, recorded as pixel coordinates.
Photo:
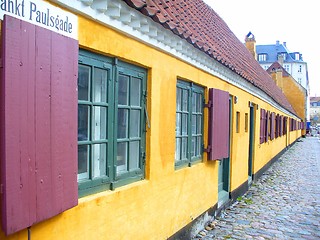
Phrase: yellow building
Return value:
(125, 117)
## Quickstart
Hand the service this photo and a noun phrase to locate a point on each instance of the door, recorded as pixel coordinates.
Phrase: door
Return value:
(224, 168)
(251, 143)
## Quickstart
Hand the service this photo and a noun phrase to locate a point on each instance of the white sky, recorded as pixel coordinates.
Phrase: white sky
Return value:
(295, 22)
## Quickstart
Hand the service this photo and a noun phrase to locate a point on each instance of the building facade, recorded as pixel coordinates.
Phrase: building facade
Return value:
(315, 110)
(117, 132)
(292, 62)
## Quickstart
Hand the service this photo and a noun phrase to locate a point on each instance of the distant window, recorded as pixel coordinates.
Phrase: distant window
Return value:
(238, 122)
(262, 57)
(297, 56)
(287, 67)
(315, 104)
(299, 80)
(246, 120)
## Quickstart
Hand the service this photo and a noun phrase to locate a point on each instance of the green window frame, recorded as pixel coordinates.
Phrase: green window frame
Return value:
(189, 123)
(111, 123)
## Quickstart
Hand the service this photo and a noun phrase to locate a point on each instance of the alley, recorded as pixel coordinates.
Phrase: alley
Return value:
(283, 204)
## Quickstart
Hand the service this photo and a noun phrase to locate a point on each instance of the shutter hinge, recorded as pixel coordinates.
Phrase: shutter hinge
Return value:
(208, 149)
(145, 93)
(209, 104)
(143, 157)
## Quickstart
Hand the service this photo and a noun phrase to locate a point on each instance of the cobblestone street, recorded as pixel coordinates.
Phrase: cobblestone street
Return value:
(283, 204)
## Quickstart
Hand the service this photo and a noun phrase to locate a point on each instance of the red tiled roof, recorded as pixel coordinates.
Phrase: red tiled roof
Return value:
(277, 66)
(200, 25)
(314, 99)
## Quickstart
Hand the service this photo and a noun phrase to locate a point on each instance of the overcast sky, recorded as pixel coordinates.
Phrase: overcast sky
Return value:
(295, 22)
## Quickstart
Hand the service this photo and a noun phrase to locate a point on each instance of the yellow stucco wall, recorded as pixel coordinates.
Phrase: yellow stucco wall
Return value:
(167, 199)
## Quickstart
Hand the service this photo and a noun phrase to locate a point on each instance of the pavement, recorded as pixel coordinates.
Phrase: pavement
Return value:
(283, 204)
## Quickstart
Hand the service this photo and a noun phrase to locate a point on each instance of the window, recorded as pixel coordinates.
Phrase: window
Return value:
(262, 57)
(300, 69)
(237, 122)
(189, 123)
(287, 67)
(299, 80)
(111, 122)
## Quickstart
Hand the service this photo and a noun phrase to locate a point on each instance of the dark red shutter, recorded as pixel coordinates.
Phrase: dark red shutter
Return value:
(39, 124)
(281, 126)
(272, 125)
(285, 125)
(277, 128)
(262, 125)
(267, 128)
(218, 141)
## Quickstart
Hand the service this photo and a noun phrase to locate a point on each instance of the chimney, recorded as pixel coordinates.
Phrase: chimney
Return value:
(277, 76)
(251, 44)
(277, 43)
(285, 44)
(280, 59)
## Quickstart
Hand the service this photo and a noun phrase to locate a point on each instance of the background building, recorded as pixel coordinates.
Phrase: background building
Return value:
(315, 110)
(292, 62)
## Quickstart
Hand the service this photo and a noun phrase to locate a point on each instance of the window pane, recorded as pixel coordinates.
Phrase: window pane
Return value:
(135, 123)
(178, 149)
(178, 99)
(199, 144)
(184, 124)
(122, 123)
(185, 100)
(83, 82)
(199, 103)
(135, 92)
(178, 124)
(100, 85)
(193, 146)
(194, 102)
(134, 155)
(194, 124)
(99, 160)
(122, 157)
(99, 123)
(83, 123)
(123, 90)
(184, 148)
(199, 124)
(83, 163)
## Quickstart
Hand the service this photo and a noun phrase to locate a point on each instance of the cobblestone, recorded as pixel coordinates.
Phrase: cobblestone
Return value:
(283, 204)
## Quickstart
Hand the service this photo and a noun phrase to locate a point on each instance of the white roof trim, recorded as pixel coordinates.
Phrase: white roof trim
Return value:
(118, 15)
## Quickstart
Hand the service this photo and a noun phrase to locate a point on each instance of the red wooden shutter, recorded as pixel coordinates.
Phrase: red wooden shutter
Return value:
(272, 125)
(218, 141)
(39, 124)
(277, 126)
(285, 125)
(267, 128)
(262, 125)
(281, 126)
